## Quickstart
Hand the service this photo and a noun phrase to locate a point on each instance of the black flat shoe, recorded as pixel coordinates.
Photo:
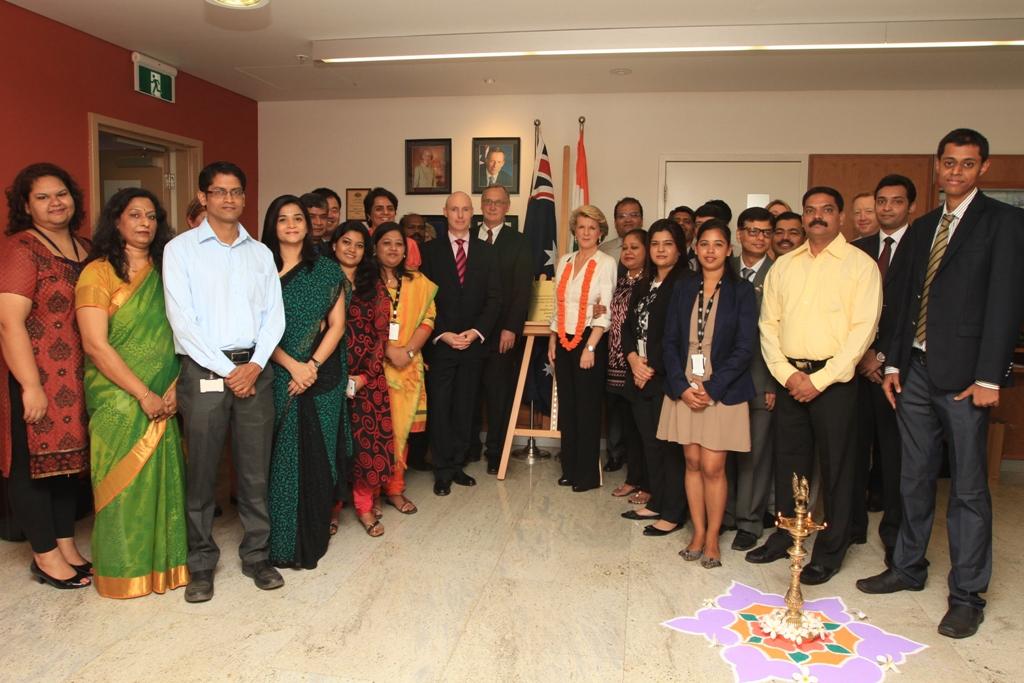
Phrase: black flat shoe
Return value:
(76, 581)
(961, 621)
(651, 530)
(632, 514)
(442, 488)
(565, 481)
(817, 574)
(463, 479)
(886, 582)
(613, 465)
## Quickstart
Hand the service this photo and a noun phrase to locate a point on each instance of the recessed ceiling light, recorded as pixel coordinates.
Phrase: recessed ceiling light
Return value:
(622, 71)
(239, 4)
(489, 81)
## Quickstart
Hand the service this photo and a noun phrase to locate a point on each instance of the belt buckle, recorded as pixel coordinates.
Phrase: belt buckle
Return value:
(238, 356)
(802, 365)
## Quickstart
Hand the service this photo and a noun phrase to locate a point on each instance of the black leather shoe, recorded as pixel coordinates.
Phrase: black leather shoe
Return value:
(200, 586)
(632, 514)
(765, 554)
(886, 582)
(816, 574)
(961, 621)
(744, 540)
(613, 465)
(858, 539)
(463, 479)
(581, 489)
(492, 469)
(565, 481)
(263, 575)
(442, 488)
(651, 530)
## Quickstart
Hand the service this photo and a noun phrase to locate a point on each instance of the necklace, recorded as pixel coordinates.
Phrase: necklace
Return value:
(581, 317)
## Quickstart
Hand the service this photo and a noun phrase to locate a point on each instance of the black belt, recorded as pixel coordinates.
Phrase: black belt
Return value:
(918, 355)
(239, 356)
(805, 365)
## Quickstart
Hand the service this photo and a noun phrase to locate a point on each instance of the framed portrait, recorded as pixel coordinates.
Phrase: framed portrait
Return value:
(354, 197)
(428, 166)
(495, 162)
(511, 220)
(438, 223)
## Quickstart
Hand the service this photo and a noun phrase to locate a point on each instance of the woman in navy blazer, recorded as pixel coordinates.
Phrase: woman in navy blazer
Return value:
(710, 337)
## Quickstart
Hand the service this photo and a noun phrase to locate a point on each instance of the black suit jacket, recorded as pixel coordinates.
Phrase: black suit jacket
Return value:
(732, 347)
(475, 304)
(512, 252)
(870, 246)
(976, 300)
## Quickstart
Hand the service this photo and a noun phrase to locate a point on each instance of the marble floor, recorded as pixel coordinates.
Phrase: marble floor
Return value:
(508, 581)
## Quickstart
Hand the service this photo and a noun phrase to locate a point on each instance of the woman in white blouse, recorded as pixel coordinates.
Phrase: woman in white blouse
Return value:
(577, 347)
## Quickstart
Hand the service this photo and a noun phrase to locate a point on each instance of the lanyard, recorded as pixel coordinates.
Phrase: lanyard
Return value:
(702, 314)
(74, 244)
(394, 302)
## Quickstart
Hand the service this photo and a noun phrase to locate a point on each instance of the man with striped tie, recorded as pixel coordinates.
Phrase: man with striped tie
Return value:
(958, 301)
(468, 303)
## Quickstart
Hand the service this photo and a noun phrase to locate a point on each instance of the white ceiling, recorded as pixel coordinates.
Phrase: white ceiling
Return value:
(255, 52)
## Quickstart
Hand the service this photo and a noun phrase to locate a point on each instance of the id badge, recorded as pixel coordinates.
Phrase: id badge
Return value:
(641, 348)
(697, 360)
(393, 332)
(211, 386)
(350, 390)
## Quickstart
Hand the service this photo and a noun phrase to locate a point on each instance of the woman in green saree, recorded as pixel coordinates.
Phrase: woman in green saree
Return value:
(308, 386)
(139, 537)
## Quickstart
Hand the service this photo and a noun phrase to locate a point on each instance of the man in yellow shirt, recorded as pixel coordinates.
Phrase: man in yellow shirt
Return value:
(819, 314)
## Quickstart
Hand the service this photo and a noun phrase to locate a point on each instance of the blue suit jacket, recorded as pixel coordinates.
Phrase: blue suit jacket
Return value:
(732, 348)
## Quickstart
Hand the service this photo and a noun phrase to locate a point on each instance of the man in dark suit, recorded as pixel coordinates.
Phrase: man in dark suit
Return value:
(515, 272)
(493, 170)
(957, 293)
(750, 474)
(894, 202)
(468, 304)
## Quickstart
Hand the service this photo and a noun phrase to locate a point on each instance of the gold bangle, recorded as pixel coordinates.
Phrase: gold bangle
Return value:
(143, 397)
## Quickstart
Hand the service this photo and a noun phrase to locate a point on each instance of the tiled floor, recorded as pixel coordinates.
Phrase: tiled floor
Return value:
(509, 581)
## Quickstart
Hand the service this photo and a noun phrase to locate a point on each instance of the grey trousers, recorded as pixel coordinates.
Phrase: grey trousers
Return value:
(207, 420)
(752, 482)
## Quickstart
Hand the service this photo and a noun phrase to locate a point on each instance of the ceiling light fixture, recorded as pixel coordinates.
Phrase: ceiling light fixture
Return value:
(489, 81)
(239, 4)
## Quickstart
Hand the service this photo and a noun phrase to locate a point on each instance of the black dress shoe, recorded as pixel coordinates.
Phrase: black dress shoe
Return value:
(565, 481)
(581, 489)
(632, 514)
(613, 465)
(886, 582)
(651, 530)
(858, 539)
(492, 469)
(816, 574)
(961, 621)
(442, 488)
(463, 479)
(744, 540)
(200, 586)
(765, 554)
(263, 575)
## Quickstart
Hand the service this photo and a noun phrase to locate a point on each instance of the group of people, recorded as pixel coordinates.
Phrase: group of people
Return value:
(318, 349)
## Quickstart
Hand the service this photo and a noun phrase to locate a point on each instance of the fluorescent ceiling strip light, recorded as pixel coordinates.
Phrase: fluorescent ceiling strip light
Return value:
(673, 50)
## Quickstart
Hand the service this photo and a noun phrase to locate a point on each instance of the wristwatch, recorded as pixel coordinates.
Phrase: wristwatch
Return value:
(590, 347)
(316, 363)
(880, 357)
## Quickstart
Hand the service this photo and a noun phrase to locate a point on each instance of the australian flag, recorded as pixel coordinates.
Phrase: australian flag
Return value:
(540, 230)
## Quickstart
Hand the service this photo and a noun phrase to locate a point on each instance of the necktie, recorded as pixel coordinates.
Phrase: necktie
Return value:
(746, 273)
(460, 260)
(886, 257)
(491, 180)
(490, 236)
(934, 259)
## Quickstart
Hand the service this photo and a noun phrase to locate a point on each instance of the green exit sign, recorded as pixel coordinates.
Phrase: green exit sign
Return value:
(154, 78)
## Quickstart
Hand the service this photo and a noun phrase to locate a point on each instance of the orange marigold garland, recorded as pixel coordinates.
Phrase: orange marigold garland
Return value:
(581, 318)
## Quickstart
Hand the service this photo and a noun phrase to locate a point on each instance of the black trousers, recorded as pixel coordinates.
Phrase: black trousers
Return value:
(207, 418)
(497, 389)
(43, 508)
(878, 440)
(665, 464)
(925, 414)
(824, 428)
(619, 413)
(580, 393)
(452, 386)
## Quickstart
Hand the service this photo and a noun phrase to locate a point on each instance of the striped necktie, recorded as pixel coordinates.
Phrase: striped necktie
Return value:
(460, 260)
(934, 259)
(745, 273)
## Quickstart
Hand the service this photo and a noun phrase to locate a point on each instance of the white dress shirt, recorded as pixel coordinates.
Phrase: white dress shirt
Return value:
(602, 286)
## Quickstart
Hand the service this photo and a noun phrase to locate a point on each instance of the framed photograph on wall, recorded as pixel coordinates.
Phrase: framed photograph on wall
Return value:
(354, 197)
(428, 166)
(495, 162)
(438, 223)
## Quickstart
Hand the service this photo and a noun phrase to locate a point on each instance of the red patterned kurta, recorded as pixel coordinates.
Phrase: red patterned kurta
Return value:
(373, 442)
(59, 443)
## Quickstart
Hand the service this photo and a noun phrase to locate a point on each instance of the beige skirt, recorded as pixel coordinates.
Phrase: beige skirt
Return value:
(718, 427)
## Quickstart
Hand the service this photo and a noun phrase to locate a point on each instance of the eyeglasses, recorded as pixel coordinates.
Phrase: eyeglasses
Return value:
(633, 214)
(221, 193)
(763, 232)
(493, 202)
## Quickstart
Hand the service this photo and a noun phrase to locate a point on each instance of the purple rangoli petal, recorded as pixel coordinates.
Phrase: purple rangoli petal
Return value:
(708, 622)
(875, 641)
(750, 664)
(741, 595)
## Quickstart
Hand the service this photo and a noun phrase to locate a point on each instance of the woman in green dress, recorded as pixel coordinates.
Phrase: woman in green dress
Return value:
(139, 537)
(308, 389)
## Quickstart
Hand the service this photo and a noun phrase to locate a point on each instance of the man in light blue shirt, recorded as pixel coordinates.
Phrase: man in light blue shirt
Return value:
(224, 305)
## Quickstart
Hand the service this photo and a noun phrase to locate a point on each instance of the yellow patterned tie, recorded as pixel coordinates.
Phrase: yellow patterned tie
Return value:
(934, 259)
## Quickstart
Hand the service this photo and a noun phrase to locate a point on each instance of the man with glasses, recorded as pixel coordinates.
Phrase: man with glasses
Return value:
(788, 233)
(223, 299)
(629, 215)
(515, 274)
(750, 474)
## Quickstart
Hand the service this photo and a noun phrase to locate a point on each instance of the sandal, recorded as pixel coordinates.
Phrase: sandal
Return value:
(406, 507)
(640, 498)
(333, 527)
(624, 490)
(374, 528)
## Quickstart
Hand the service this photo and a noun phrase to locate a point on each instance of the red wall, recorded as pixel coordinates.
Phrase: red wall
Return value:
(52, 76)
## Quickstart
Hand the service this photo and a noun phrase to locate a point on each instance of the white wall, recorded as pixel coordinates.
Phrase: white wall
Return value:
(360, 143)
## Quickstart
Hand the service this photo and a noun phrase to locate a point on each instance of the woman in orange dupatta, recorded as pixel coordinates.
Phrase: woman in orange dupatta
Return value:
(412, 321)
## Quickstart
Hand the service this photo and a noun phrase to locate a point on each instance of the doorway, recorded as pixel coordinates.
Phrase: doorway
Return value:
(124, 154)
